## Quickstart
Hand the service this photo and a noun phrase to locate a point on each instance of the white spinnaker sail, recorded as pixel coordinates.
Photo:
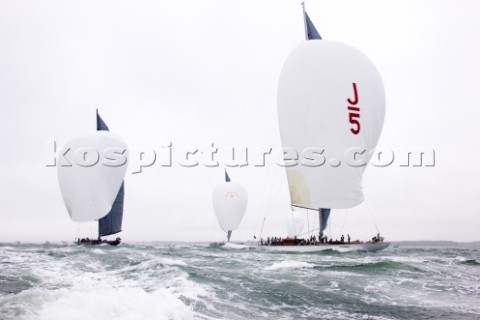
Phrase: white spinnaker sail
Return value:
(330, 98)
(295, 223)
(89, 187)
(229, 203)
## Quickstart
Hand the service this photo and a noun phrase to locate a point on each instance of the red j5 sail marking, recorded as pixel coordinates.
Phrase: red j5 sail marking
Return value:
(354, 114)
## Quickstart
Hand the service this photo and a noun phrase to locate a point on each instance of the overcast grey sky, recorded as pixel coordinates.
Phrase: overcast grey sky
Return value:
(200, 72)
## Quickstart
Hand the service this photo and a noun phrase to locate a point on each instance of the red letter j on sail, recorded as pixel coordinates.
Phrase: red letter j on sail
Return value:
(354, 112)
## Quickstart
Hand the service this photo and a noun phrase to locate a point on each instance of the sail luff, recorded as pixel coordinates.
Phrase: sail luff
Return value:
(305, 20)
(112, 222)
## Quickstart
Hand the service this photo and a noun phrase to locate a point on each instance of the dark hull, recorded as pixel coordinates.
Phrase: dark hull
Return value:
(89, 242)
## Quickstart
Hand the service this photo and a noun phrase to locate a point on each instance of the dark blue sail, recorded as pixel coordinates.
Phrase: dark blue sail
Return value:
(112, 222)
(324, 214)
(312, 32)
(227, 178)
(101, 125)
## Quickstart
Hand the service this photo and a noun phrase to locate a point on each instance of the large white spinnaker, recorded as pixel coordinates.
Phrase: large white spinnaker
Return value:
(331, 106)
(90, 173)
(229, 203)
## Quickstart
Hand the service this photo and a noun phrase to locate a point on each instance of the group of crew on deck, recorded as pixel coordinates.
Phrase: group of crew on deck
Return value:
(95, 241)
(377, 238)
(278, 241)
(88, 240)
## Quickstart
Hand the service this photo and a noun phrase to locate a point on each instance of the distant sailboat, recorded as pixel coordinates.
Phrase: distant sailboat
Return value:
(331, 106)
(112, 222)
(229, 203)
(94, 188)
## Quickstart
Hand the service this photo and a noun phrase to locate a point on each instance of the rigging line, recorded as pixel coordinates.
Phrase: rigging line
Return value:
(267, 187)
(274, 195)
(305, 233)
(277, 192)
(271, 192)
(330, 229)
(280, 183)
(266, 213)
(302, 207)
(371, 216)
(264, 207)
(267, 203)
(292, 220)
(308, 222)
(282, 177)
(263, 224)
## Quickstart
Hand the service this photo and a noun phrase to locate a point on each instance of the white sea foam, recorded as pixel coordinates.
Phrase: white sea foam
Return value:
(98, 251)
(107, 296)
(158, 282)
(152, 263)
(289, 264)
(112, 303)
(230, 245)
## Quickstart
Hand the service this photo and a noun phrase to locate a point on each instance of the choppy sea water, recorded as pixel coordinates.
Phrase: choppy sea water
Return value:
(195, 281)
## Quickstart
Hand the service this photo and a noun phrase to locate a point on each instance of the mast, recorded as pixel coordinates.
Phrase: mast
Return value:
(312, 33)
(96, 117)
(305, 20)
(306, 83)
(112, 222)
(227, 179)
(320, 231)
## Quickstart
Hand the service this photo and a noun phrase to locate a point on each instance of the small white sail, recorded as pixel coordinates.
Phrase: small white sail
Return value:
(229, 203)
(90, 173)
(330, 98)
(295, 223)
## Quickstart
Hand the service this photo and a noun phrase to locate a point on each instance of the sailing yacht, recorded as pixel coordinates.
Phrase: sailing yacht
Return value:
(229, 203)
(331, 107)
(94, 189)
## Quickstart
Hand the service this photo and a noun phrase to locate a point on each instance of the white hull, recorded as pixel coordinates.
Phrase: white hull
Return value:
(364, 247)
